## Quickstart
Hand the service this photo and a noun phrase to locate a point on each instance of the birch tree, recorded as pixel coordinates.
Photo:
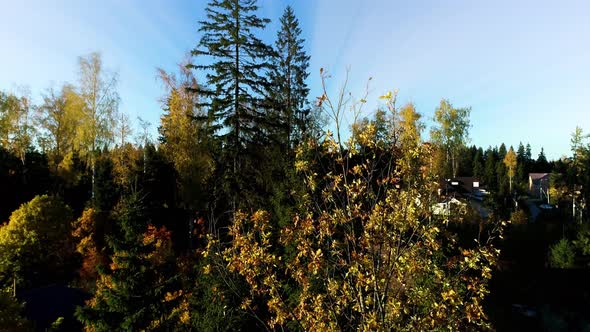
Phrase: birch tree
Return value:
(511, 162)
(57, 117)
(451, 131)
(98, 90)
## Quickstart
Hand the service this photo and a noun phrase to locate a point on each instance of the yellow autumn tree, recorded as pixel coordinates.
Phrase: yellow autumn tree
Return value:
(450, 134)
(16, 128)
(36, 247)
(89, 240)
(57, 119)
(364, 250)
(97, 106)
(183, 138)
(510, 161)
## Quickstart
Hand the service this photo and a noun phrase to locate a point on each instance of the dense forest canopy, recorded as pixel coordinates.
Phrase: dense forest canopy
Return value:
(257, 208)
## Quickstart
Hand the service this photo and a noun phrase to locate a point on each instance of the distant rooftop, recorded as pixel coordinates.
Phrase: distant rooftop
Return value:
(537, 176)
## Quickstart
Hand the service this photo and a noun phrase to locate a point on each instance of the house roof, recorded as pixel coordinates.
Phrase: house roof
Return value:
(538, 176)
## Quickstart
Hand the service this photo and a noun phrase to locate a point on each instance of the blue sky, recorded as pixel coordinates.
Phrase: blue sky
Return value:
(523, 66)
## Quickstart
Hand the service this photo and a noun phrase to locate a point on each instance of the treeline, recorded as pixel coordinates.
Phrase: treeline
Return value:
(244, 213)
(568, 175)
(489, 166)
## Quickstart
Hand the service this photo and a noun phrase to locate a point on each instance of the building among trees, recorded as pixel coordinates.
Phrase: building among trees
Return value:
(538, 182)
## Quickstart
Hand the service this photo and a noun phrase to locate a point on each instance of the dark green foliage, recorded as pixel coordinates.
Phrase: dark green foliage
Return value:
(235, 75)
(158, 182)
(478, 168)
(288, 89)
(131, 291)
(235, 62)
(466, 160)
(215, 300)
(582, 242)
(490, 169)
(75, 186)
(562, 255)
(542, 165)
(11, 318)
(522, 162)
(10, 196)
(105, 191)
(528, 153)
(21, 182)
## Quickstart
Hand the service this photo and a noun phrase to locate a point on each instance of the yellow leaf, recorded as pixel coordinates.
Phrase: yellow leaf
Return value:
(388, 95)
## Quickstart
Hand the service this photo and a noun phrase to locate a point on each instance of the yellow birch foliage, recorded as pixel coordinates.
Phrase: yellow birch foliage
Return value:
(184, 138)
(364, 251)
(510, 161)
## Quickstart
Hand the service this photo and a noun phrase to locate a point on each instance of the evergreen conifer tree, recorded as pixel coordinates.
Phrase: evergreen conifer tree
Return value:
(478, 168)
(542, 165)
(522, 160)
(235, 75)
(490, 169)
(236, 66)
(136, 290)
(289, 72)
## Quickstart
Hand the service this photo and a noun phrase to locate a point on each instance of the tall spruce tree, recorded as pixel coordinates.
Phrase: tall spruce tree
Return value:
(135, 292)
(478, 166)
(521, 159)
(542, 165)
(289, 72)
(236, 65)
(490, 169)
(501, 170)
(235, 72)
(528, 154)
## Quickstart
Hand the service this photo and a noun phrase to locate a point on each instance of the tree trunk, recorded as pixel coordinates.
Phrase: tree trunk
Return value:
(289, 106)
(236, 106)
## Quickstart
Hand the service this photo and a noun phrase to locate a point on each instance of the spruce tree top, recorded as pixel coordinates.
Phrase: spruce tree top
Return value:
(235, 65)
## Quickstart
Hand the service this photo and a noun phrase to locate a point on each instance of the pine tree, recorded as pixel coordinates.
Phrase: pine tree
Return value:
(542, 165)
(521, 159)
(521, 153)
(136, 291)
(529, 162)
(235, 75)
(289, 72)
(490, 169)
(105, 190)
(528, 153)
(502, 152)
(501, 169)
(478, 168)
(237, 62)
